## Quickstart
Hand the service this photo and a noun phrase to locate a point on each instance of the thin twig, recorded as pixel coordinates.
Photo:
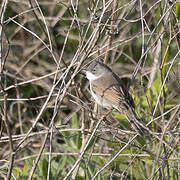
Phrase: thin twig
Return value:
(11, 161)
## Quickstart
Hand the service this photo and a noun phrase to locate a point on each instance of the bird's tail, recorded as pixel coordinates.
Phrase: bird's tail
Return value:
(136, 122)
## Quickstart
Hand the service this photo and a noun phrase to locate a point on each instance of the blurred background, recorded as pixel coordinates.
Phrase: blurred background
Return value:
(48, 119)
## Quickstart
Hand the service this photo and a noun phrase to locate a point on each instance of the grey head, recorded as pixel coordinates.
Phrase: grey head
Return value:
(96, 70)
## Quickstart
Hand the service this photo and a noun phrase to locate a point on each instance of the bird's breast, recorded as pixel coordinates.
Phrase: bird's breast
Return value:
(99, 99)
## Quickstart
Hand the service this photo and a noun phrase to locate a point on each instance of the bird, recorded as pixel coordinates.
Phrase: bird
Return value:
(109, 91)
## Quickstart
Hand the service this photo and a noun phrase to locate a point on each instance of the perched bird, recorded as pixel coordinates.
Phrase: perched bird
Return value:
(108, 90)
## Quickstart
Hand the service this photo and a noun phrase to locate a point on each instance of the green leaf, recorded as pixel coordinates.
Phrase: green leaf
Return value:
(44, 168)
(17, 172)
(78, 141)
(157, 85)
(75, 121)
(118, 115)
(26, 168)
(62, 163)
(141, 140)
(73, 139)
(99, 161)
(164, 65)
(178, 10)
(123, 159)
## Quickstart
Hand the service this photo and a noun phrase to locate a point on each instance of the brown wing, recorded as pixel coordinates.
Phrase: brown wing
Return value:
(121, 88)
(113, 95)
(116, 93)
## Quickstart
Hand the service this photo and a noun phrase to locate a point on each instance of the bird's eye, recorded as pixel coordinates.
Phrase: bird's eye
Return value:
(93, 69)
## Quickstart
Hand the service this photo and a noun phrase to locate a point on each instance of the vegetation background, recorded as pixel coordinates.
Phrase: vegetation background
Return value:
(50, 128)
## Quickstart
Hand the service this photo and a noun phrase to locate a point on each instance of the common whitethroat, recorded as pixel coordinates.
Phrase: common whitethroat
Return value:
(108, 90)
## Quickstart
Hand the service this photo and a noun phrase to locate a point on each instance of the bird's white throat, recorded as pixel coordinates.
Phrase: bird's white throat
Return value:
(100, 100)
(91, 76)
